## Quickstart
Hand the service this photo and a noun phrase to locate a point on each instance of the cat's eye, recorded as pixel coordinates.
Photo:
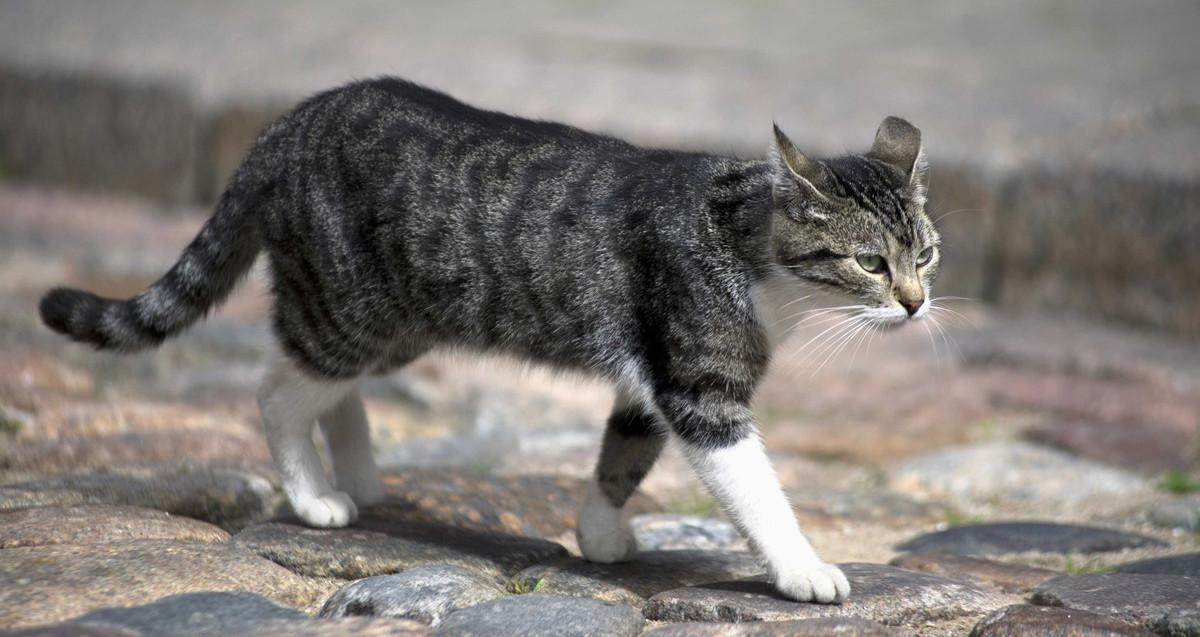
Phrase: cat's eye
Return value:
(872, 263)
(925, 257)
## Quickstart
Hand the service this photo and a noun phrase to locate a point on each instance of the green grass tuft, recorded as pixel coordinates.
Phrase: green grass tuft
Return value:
(526, 585)
(1090, 566)
(1179, 483)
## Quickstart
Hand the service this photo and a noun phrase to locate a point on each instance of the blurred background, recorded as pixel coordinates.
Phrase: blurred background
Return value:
(1064, 142)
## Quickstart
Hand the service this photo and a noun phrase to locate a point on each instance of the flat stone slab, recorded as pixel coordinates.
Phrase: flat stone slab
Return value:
(1010, 578)
(666, 531)
(86, 524)
(1023, 620)
(226, 613)
(426, 594)
(541, 614)
(380, 547)
(1133, 597)
(999, 538)
(228, 498)
(885, 594)
(47, 584)
(1187, 564)
(841, 626)
(534, 506)
(222, 615)
(632, 582)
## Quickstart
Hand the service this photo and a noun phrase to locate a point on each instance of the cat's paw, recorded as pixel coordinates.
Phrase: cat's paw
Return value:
(328, 511)
(606, 545)
(813, 582)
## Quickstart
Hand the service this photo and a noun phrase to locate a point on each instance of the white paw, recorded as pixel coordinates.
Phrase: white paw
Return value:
(813, 582)
(328, 511)
(364, 486)
(606, 545)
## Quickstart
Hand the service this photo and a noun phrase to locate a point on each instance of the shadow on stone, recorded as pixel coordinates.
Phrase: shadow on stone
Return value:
(376, 546)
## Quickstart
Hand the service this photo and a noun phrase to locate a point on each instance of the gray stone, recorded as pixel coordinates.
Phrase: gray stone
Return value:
(380, 547)
(1135, 598)
(1016, 471)
(229, 498)
(844, 626)
(665, 531)
(540, 614)
(426, 593)
(217, 614)
(1010, 578)
(46, 584)
(91, 523)
(632, 582)
(1178, 622)
(1187, 564)
(998, 538)
(884, 594)
(1023, 620)
(1180, 513)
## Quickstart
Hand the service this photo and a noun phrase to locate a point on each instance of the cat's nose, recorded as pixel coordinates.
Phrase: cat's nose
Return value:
(912, 305)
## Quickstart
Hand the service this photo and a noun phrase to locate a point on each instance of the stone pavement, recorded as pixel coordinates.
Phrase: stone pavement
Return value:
(1063, 134)
(1020, 474)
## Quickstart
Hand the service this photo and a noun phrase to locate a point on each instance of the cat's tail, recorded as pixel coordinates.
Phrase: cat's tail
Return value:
(206, 272)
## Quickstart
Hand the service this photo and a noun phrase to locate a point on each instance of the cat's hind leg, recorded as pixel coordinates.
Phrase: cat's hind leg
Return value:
(632, 442)
(349, 438)
(291, 401)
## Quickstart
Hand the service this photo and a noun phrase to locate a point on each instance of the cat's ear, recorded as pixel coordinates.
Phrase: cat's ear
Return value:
(796, 175)
(898, 144)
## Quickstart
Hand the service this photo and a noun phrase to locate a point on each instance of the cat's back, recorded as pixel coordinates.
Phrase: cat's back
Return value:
(391, 113)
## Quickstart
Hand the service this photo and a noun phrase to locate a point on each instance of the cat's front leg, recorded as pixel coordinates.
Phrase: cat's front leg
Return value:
(722, 445)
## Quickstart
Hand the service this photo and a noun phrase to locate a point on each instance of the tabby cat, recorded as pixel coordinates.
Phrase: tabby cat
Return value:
(396, 219)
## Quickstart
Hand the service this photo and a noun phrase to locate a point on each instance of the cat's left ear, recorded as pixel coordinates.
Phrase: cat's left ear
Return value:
(798, 179)
(898, 144)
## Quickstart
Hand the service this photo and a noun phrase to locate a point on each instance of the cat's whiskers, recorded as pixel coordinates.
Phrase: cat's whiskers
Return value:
(936, 356)
(795, 301)
(871, 327)
(828, 343)
(823, 333)
(818, 311)
(862, 324)
(952, 314)
(946, 337)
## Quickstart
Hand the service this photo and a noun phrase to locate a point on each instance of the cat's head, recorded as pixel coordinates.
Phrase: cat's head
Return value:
(856, 225)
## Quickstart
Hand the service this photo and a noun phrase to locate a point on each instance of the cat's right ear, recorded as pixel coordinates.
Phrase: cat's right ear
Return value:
(797, 179)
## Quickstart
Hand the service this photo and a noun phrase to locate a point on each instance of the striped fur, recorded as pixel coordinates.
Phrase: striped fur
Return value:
(396, 219)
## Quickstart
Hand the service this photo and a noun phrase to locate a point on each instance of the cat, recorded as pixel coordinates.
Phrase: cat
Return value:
(397, 219)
